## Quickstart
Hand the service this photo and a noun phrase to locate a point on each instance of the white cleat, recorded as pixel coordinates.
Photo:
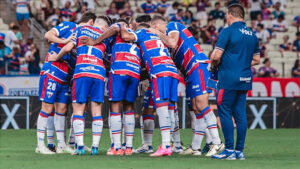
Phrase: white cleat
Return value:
(215, 149)
(190, 151)
(86, 148)
(144, 149)
(43, 150)
(177, 149)
(66, 149)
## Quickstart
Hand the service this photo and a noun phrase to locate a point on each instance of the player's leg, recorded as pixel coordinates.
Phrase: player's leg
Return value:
(97, 98)
(128, 103)
(50, 132)
(177, 147)
(80, 91)
(225, 100)
(240, 116)
(45, 95)
(164, 91)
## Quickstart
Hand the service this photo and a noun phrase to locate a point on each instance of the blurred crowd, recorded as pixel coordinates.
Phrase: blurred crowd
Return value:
(267, 19)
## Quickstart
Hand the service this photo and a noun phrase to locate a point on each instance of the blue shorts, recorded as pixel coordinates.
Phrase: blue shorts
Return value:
(164, 89)
(22, 16)
(51, 91)
(122, 87)
(196, 84)
(148, 99)
(85, 87)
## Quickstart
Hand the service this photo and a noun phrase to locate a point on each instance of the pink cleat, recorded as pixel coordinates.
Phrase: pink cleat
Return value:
(162, 152)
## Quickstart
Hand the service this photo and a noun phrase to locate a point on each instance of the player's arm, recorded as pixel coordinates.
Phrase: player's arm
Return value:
(52, 36)
(113, 30)
(67, 48)
(170, 40)
(255, 60)
(216, 58)
(127, 36)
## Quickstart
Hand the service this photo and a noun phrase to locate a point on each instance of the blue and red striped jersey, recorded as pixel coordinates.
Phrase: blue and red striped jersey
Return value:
(155, 54)
(125, 57)
(188, 52)
(89, 61)
(59, 70)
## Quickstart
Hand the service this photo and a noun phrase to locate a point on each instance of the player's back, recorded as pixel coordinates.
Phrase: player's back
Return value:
(59, 70)
(155, 54)
(89, 61)
(125, 57)
(188, 51)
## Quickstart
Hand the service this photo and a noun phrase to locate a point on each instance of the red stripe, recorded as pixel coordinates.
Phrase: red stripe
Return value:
(167, 74)
(155, 88)
(56, 79)
(151, 44)
(187, 33)
(79, 75)
(212, 127)
(130, 113)
(110, 85)
(127, 57)
(87, 59)
(161, 104)
(198, 48)
(44, 87)
(148, 118)
(220, 96)
(202, 81)
(188, 55)
(164, 129)
(199, 134)
(127, 72)
(161, 60)
(73, 91)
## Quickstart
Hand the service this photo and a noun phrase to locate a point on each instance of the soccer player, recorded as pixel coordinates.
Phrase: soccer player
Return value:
(164, 79)
(53, 91)
(237, 49)
(122, 85)
(88, 80)
(190, 59)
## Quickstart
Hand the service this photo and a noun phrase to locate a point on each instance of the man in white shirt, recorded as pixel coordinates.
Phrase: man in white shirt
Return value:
(22, 8)
(11, 39)
(279, 24)
(172, 10)
(262, 34)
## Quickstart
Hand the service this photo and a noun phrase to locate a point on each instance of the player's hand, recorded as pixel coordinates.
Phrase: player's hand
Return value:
(52, 57)
(65, 41)
(152, 30)
(87, 41)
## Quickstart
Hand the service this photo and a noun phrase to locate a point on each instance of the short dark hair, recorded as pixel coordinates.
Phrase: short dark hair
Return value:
(217, 3)
(15, 27)
(107, 19)
(175, 4)
(179, 10)
(266, 60)
(123, 20)
(260, 25)
(143, 18)
(87, 16)
(298, 34)
(236, 10)
(144, 25)
(158, 17)
(281, 16)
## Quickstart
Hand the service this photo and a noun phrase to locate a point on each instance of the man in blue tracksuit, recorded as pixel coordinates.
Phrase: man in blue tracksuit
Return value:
(236, 51)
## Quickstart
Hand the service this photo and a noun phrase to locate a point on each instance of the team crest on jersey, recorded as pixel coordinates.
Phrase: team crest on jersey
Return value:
(49, 94)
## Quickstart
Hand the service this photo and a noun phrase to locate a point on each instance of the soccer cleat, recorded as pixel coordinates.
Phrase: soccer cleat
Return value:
(240, 155)
(124, 146)
(206, 148)
(190, 151)
(86, 148)
(79, 151)
(162, 152)
(128, 151)
(118, 152)
(177, 149)
(225, 155)
(110, 151)
(94, 151)
(51, 147)
(144, 149)
(66, 149)
(43, 150)
(215, 149)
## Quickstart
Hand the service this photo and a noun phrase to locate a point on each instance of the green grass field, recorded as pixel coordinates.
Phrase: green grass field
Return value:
(267, 149)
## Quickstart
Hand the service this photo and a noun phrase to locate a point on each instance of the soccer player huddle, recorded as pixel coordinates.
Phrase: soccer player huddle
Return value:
(75, 70)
